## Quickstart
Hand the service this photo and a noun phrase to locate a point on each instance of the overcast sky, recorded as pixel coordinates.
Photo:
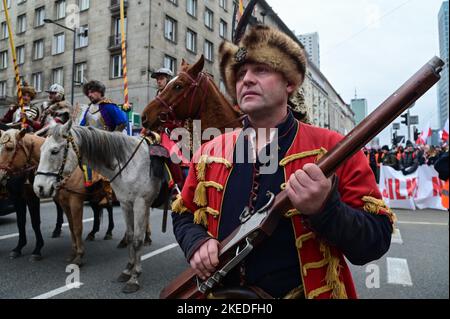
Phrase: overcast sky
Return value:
(372, 46)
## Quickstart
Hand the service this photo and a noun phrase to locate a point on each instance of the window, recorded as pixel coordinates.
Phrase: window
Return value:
(39, 16)
(209, 19)
(82, 37)
(8, 4)
(20, 54)
(38, 49)
(191, 41)
(170, 29)
(209, 53)
(83, 4)
(80, 72)
(58, 44)
(223, 29)
(37, 81)
(3, 31)
(170, 63)
(117, 30)
(116, 66)
(2, 89)
(58, 76)
(60, 9)
(3, 60)
(223, 4)
(191, 7)
(22, 23)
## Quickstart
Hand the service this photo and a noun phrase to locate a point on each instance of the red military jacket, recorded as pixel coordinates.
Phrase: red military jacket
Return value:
(324, 271)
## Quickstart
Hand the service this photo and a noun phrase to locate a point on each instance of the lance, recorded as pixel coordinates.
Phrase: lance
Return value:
(16, 67)
(126, 105)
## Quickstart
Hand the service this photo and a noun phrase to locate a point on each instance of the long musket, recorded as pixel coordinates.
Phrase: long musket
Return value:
(262, 224)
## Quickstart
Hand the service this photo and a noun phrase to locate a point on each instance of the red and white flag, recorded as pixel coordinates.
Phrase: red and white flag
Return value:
(426, 133)
(445, 132)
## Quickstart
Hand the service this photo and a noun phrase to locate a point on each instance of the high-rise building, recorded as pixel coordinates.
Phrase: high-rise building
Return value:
(359, 107)
(443, 91)
(311, 43)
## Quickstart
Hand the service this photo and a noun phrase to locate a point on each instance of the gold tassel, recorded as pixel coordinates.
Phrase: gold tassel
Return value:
(374, 205)
(333, 280)
(178, 205)
(200, 197)
(206, 160)
(319, 153)
(201, 215)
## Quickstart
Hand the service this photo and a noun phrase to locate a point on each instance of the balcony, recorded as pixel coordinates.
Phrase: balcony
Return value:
(115, 43)
(115, 6)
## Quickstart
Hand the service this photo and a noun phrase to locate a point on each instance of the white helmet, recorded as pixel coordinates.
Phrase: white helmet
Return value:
(163, 71)
(56, 88)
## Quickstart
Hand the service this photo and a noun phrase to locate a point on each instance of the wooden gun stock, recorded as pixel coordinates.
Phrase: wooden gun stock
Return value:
(185, 286)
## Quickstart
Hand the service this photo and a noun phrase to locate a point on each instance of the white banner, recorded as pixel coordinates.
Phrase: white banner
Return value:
(421, 189)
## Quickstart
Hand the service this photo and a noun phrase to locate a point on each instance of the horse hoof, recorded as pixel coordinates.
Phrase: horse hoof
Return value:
(130, 288)
(15, 254)
(123, 277)
(35, 258)
(90, 237)
(77, 261)
(56, 233)
(147, 242)
(108, 237)
(122, 245)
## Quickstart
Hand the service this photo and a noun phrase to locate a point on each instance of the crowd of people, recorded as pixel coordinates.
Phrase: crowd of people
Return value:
(406, 159)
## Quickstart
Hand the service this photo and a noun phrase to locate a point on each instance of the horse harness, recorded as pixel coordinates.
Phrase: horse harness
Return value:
(28, 167)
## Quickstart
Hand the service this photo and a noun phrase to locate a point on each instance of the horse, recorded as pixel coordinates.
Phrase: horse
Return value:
(135, 176)
(191, 95)
(22, 152)
(22, 195)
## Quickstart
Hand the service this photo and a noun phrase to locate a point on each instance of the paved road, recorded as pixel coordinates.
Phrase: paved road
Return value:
(421, 250)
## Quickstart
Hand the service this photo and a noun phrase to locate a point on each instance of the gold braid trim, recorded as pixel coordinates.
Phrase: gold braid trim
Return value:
(332, 276)
(206, 160)
(178, 206)
(201, 215)
(319, 153)
(200, 197)
(373, 205)
(317, 292)
(299, 242)
(292, 213)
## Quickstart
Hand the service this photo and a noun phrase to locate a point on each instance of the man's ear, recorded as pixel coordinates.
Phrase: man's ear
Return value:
(290, 88)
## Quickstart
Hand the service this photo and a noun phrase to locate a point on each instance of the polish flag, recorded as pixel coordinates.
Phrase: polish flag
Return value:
(426, 133)
(445, 132)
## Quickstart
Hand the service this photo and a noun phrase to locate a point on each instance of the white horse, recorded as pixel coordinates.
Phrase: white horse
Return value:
(135, 178)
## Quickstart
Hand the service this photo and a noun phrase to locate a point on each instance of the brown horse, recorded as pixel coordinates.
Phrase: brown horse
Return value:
(191, 95)
(22, 151)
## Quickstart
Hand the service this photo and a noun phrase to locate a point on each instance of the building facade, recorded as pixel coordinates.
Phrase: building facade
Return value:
(160, 34)
(443, 89)
(311, 43)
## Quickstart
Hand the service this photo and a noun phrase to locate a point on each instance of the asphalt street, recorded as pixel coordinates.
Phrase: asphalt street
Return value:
(416, 265)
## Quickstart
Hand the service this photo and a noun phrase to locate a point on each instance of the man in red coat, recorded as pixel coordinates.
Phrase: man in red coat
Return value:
(333, 217)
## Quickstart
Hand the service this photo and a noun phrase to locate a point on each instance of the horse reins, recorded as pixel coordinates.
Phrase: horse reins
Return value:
(28, 168)
(170, 117)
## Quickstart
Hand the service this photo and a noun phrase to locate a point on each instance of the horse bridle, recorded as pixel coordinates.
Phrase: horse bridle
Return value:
(69, 142)
(28, 168)
(168, 116)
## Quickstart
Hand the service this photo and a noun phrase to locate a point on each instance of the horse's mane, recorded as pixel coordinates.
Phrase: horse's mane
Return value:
(100, 147)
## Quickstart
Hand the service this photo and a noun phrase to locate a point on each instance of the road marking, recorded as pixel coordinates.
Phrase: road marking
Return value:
(64, 225)
(159, 251)
(422, 223)
(396, 237)
(398, 272)
(59, 291)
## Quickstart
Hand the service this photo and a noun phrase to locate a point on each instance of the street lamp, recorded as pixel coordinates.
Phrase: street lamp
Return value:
(74, 31)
